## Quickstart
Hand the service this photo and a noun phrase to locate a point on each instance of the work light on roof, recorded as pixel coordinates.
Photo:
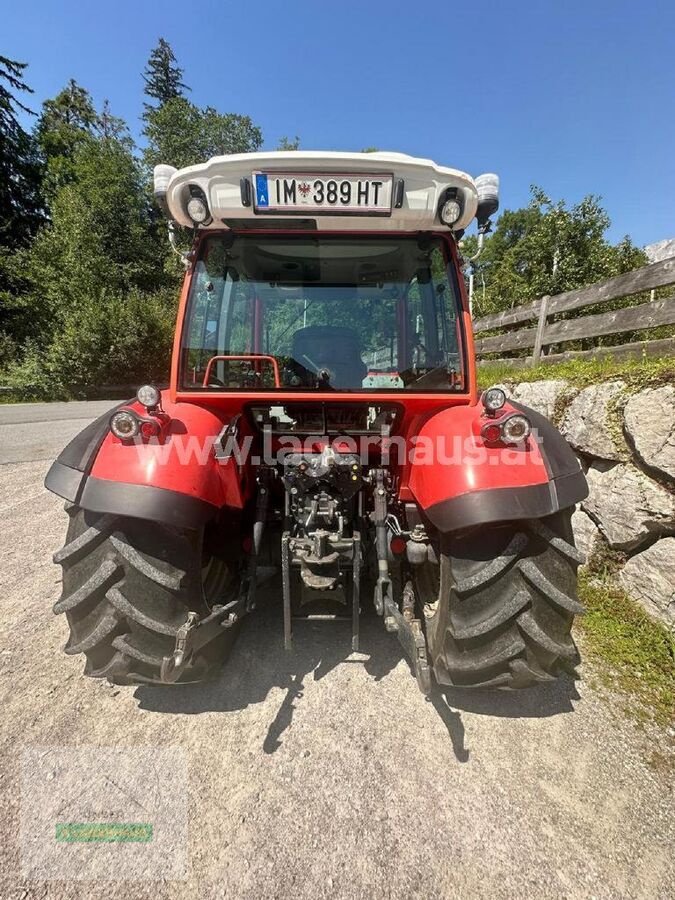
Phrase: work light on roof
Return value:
(197, 210)
(451, 211)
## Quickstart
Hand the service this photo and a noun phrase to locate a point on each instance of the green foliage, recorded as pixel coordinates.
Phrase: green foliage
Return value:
(636, 652)
(286, 143)
(8, 350)
(21, 204)
(110, 126)
(99, 301)
(181, 134)
(107, 338)
(546, 248)
(89, 298)
(162, 75)
(99, 235)
(638, 372)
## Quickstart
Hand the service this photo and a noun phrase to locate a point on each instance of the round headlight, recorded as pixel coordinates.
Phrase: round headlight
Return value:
(149, 396)
(516, 429)
(493, 399)
(124, 425)
(450, 212)
(197, 210)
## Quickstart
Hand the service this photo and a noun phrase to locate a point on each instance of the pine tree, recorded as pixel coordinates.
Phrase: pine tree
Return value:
(110, 126)
(66, 122)
(163, 76)
(21, 208)
(21, 205)
(71, 108)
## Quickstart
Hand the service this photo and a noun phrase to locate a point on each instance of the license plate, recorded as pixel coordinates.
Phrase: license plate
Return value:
(322, 194)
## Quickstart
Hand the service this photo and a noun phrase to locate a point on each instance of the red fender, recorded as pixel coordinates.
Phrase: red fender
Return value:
(460, 481)
(175, 479)
(183, 462)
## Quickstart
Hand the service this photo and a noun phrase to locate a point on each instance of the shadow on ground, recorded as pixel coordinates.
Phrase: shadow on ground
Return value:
(259, 663)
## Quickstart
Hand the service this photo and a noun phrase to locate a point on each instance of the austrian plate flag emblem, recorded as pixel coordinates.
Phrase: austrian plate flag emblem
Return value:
(304, 189)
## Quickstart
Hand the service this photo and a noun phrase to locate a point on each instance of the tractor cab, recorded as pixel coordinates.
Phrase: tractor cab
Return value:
(329, 272)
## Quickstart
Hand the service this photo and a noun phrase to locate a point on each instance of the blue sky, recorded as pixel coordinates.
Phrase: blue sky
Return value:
(578, 97)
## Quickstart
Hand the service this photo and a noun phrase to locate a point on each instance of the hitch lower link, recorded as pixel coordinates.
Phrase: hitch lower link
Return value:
(411, 637)
(407, 628)
(195, 633)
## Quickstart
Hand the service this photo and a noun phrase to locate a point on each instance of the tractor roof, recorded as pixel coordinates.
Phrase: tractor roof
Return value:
(410, 193)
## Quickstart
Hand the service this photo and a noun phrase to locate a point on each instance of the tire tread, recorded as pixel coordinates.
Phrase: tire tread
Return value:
(128, 586)
(503, 601)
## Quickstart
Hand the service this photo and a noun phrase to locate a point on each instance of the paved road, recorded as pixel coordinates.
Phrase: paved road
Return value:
(317, 774)
(36, 431)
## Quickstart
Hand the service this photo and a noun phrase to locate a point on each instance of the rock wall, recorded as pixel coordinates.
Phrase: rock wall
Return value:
(626, 443)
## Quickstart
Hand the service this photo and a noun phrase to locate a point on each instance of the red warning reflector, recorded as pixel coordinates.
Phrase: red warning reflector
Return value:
(398, 545)
(492, 433)
(149, 429)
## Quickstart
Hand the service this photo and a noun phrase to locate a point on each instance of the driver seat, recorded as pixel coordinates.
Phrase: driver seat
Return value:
(334, 348)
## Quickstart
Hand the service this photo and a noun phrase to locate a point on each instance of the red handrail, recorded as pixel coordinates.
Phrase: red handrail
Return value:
(254, 357)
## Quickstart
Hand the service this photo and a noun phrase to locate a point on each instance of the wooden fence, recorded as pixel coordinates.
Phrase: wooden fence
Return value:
(548, 328)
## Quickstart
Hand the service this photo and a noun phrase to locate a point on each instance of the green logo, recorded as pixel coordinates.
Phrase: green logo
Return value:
(103, 832)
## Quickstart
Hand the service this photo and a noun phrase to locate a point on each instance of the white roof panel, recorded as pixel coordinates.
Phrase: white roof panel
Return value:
(424, 183)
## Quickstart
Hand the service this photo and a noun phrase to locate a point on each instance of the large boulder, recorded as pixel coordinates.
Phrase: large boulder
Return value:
(627, 505)
(585, 533)
(649, 577)
(649, 421)
(588, 425)
(543, 396)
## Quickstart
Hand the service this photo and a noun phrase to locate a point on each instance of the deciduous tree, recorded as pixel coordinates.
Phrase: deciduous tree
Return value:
(547, 248)
(181, 134)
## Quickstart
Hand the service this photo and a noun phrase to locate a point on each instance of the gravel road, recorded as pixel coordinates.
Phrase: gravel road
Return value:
(320, 773)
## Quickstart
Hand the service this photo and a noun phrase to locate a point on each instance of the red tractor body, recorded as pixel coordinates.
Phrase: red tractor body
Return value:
(322, 415)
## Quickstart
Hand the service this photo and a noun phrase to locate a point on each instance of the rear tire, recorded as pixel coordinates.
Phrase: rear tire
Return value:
(128, 585)
(499, 605)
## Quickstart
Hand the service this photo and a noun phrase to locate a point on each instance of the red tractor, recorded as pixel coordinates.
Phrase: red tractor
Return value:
(323, 418)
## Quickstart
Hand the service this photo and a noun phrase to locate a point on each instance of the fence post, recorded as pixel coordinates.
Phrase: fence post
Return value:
(541, 326)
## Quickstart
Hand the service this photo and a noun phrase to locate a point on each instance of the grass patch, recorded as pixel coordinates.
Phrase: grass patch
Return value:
(637, 372)
(638, 653)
